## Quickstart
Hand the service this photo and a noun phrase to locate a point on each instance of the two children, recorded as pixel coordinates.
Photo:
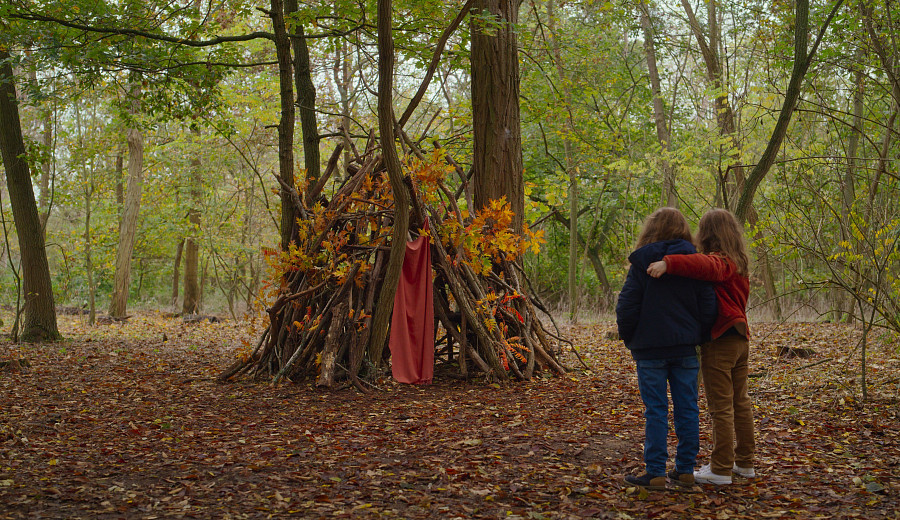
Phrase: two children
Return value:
(724, 360)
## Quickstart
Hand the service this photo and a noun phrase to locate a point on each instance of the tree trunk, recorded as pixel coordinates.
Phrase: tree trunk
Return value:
(128, 224)
(191, 303)
(731, 179)
(592, 251)
(46, 168)
(286, 123)
(88, 187)
(384, 308)
(39, 322)
(120, 186)
(88, 260)
(669, 197)
(848, 182)
(802, 60)
(342, 79)
(203, 279)
(497, 160)
(844, 304)
(306, 99)
(176, 273)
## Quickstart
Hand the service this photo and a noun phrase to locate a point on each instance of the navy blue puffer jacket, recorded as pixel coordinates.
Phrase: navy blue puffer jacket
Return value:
(664, 317)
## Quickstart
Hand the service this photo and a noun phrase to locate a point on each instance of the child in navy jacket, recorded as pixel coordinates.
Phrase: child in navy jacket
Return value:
(661, 322)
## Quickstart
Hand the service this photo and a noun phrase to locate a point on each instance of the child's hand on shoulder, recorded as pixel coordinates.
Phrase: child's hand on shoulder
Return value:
(657, 269)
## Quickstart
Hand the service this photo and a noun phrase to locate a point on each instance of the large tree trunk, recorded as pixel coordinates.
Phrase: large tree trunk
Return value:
(132, 206)
(39, 322)
(191, 303)
(669, 197)
(306, 99)
(286, 123)
(497, 160)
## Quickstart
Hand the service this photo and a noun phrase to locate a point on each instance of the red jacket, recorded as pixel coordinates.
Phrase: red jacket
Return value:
(732, 289)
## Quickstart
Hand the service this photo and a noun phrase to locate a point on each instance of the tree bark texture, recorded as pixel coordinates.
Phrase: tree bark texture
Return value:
(39, 322)
(132, 206)
(306, 99)
(286, 123)
(382, 316)
(497, 160)
(120, 186)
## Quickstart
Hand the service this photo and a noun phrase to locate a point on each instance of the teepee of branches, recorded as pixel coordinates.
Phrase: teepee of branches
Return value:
(320, 322)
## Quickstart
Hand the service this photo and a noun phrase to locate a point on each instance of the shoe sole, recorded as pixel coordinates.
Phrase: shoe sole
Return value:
(699, 480)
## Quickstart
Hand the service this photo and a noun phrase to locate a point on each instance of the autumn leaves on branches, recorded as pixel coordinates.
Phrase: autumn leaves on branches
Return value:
(326, 283)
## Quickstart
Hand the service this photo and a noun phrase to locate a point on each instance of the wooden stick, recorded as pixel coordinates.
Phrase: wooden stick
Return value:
(337, 296)
(329, 353)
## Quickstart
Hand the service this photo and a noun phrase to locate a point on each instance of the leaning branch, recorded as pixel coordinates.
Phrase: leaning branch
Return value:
(124, 31)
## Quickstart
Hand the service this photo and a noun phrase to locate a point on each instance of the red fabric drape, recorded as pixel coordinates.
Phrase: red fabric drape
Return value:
(412, 323)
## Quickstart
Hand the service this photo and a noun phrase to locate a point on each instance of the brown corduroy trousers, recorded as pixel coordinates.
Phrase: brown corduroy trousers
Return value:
(724, 365)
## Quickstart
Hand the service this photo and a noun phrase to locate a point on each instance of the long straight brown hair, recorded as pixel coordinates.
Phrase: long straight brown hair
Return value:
(664, 224)
(720, 232)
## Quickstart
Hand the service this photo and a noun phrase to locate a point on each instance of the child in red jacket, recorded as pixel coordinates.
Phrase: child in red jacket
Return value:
(723, 361)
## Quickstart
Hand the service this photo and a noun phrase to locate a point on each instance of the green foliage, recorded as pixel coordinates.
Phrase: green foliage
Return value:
(585, 107)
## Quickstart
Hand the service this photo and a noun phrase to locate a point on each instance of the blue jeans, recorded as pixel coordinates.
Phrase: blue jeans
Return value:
(681, 375)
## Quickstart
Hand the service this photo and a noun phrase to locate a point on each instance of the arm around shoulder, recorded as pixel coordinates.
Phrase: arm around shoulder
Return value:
(711, 268)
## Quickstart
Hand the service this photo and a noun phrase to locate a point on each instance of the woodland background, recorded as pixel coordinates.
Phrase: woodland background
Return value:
(823, 226)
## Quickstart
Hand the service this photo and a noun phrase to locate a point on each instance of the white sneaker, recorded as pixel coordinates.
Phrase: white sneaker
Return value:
(743, 472)
(704, 475)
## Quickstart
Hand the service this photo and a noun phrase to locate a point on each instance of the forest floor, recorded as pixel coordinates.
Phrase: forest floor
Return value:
(127, 421)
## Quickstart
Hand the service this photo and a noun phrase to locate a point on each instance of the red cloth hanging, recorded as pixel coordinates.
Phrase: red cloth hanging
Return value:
(412, 323)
